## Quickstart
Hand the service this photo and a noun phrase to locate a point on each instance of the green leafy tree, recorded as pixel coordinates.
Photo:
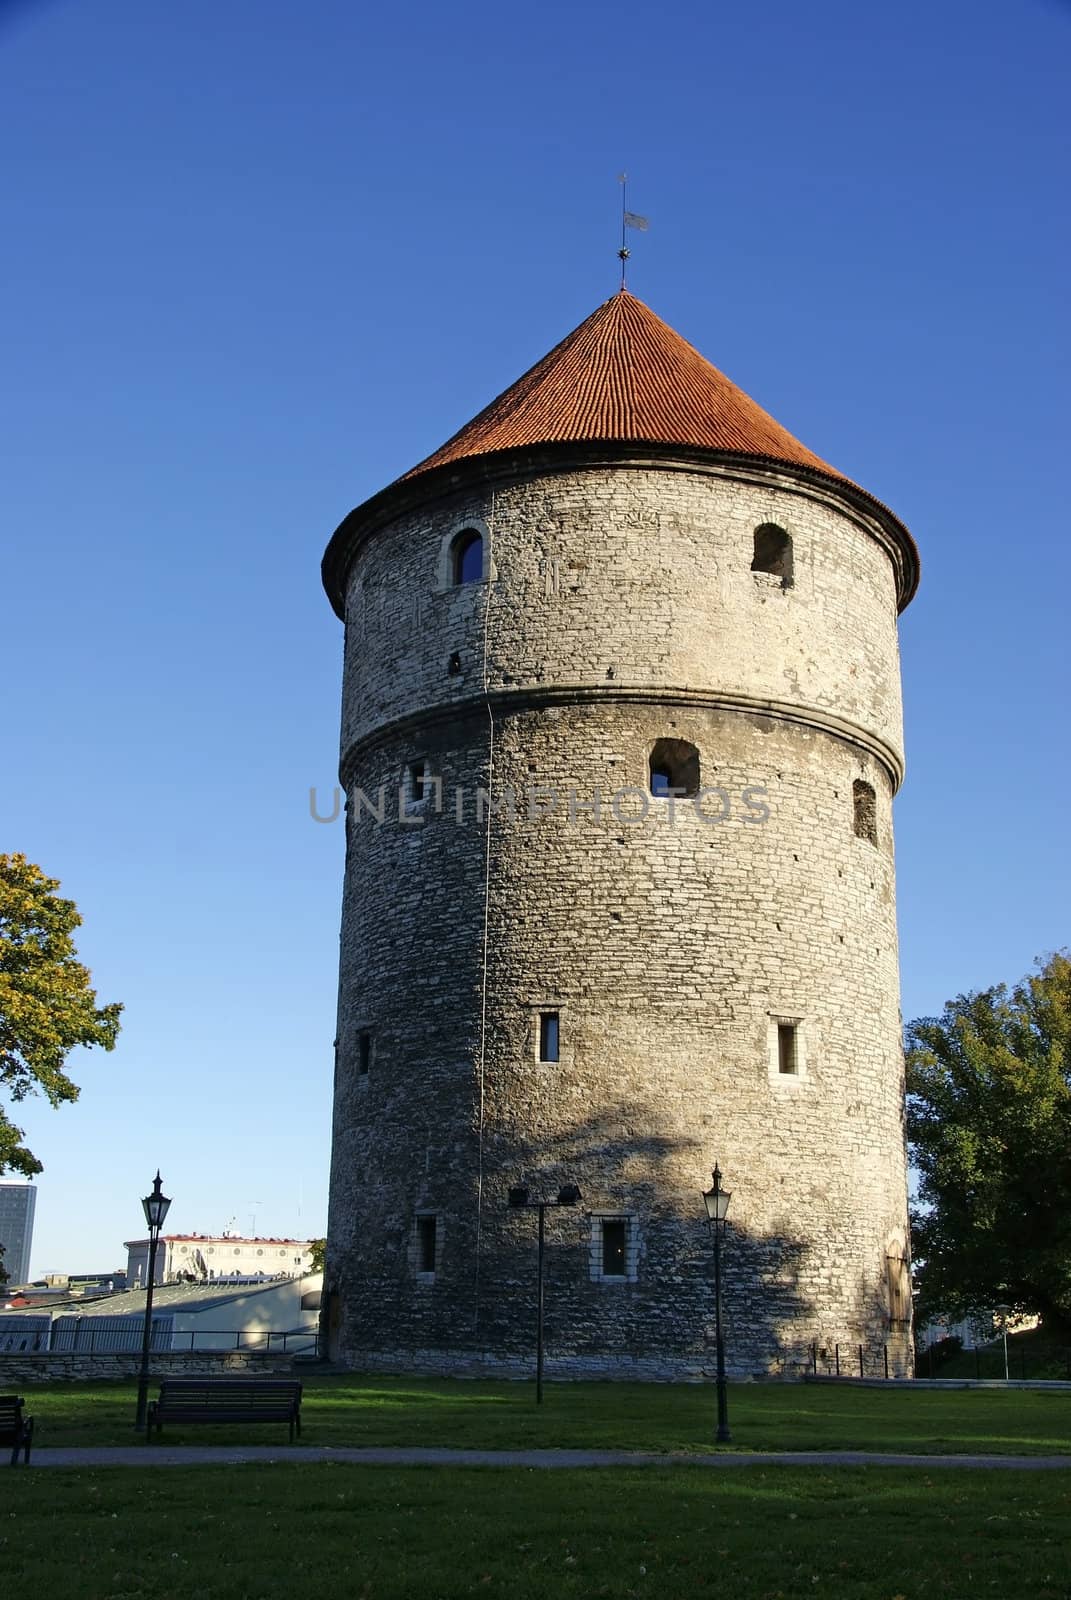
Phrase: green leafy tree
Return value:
(989, 1126)
(317, 1251)
(47, 1005)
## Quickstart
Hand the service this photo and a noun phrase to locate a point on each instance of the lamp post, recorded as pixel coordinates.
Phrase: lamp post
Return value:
(155, 1206)
(717, 1204)
(1003, 1313)
(568, 1195)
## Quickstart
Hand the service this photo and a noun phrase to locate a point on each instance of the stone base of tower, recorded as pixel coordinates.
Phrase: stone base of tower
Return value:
(892, 1359)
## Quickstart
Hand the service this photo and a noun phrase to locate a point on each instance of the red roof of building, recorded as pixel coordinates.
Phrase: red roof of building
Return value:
(625, 375)
(622, 378)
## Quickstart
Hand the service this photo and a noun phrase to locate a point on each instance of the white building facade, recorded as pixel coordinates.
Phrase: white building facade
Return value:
(202, 1257)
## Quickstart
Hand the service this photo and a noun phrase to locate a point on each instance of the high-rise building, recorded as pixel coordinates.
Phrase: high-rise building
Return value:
(17, 1202)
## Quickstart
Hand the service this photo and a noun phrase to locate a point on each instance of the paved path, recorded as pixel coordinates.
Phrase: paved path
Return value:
(221, 1455)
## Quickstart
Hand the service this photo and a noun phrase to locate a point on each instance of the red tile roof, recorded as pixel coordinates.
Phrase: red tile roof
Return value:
(625, 375)
(622, 377)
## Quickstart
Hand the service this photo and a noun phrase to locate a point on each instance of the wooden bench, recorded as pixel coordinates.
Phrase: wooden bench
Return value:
(15, 1429)
(226, 1400)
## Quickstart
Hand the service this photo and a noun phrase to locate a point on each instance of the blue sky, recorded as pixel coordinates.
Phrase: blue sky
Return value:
(260, 257)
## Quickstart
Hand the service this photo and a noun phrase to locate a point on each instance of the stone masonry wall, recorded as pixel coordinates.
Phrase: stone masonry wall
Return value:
(620, 610)
(72, 1366)
(640, 570)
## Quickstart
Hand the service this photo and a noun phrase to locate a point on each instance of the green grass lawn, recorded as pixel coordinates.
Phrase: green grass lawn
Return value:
(252, 1533)
(351, 1410)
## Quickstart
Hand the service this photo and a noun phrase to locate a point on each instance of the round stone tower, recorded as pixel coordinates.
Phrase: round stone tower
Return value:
(620, 735)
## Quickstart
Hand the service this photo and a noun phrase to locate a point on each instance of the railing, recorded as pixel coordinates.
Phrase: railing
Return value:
(949, 1359)
(101, 1336)
(848, 1359)
(24, 1335)
(296, 1342)
(853, 1361)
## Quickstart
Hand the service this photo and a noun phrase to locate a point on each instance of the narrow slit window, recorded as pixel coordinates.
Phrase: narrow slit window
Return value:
(549, 1035)
(614, 1238)
(419, 781)
(864, 811)
(426, 1232)
(468, 557)
(773, 553)
(787, 1059)
(364, 1053)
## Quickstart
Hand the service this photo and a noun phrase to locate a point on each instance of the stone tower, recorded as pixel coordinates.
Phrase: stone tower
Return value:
(621, 730)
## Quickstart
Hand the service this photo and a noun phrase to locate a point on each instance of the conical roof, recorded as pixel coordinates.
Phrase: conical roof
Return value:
(625, 375)
(622, 378)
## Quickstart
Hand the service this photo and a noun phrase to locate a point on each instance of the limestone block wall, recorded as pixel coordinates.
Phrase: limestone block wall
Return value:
(642, 571)
(670, 939)
(81, 1366)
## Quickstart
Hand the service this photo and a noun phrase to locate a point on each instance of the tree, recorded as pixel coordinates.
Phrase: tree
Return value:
(47, 1005)
(317, 1251)
(989, 1128)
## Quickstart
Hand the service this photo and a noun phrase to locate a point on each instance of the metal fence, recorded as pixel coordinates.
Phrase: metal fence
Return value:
(294, 1342)
(25, 1335)
(854, 1361)
(947, 1358)
(104, 1335)
(101, 1335)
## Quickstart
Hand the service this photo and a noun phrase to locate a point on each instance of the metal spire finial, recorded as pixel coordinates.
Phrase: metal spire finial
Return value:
(629, 219)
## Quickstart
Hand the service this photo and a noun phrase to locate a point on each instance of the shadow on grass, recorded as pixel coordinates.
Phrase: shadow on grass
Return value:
(233, 1533)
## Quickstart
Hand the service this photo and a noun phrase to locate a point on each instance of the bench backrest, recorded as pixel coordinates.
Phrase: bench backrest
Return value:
(10, 1414)
(203, 1394)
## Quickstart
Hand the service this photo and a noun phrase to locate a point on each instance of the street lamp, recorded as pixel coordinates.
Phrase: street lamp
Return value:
(568, 1195)
(717, 1203)
(155, 1207)
(1004, 1312)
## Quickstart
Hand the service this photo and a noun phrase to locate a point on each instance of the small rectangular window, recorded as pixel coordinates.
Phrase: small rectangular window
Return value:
(419, 785)
(786, 1047)
(426, 1244)
(364, 1053)
(614, 1232)
(548, 1035)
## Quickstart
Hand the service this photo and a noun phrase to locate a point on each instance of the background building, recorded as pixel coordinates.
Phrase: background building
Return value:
(204, 1256)
(621, 731)
(17, 1203)
(278, 1317)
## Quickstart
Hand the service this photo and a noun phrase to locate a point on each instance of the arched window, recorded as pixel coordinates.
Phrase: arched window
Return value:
(773, 553)
(864, 811)
(467, 557)
(674, 766)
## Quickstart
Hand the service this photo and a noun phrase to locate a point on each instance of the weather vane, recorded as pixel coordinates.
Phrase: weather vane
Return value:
(629, 219)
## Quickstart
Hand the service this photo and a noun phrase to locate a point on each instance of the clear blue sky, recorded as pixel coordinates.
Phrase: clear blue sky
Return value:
(259, 257)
